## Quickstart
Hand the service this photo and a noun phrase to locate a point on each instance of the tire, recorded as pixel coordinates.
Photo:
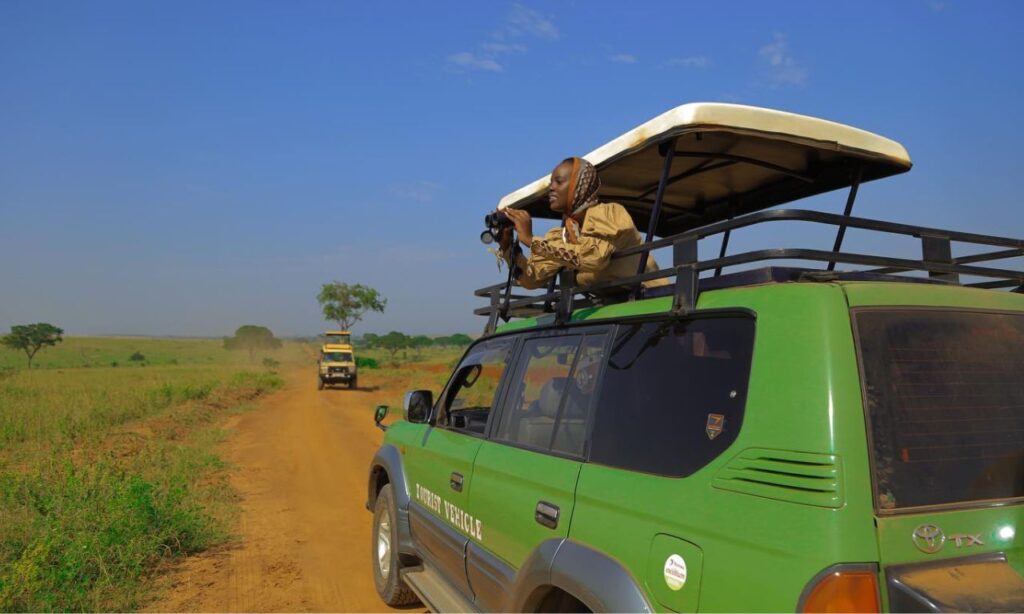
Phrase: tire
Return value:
(384, 553)
(319, 383)
(352, 383)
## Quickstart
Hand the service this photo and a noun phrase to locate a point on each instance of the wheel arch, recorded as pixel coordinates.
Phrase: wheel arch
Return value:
(386, 468)
(597, 581)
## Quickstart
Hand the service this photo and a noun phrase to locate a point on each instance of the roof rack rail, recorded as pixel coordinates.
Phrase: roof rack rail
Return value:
(936, 260)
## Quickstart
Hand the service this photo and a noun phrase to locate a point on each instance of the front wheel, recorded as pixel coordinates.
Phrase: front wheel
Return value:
(384, 552)
(352, 382)
(319, 383)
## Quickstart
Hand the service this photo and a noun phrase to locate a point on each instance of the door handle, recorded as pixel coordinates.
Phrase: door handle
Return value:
(546, 514)
(456, 481)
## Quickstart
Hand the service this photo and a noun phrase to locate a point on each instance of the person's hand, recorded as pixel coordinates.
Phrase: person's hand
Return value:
(505, 239)
(523, 223)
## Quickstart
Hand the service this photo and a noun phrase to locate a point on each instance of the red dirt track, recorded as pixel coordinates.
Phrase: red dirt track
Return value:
(299, 461)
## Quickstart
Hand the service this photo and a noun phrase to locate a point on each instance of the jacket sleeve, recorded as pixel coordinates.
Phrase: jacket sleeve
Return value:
(535, 271)
(596, 243)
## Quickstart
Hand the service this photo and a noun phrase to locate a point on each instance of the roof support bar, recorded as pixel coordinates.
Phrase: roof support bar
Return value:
(668, 150)
(938, 249)
(566, 283)
(725, 239)
(841, 233)
(684, 259)
(496, 310)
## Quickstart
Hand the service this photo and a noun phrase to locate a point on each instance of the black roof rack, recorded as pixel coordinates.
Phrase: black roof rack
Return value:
(936, 260)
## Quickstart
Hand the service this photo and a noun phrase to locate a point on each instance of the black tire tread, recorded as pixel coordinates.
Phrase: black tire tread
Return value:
(397, 592)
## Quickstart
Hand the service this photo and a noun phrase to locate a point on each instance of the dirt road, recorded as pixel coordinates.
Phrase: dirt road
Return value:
(300, 464)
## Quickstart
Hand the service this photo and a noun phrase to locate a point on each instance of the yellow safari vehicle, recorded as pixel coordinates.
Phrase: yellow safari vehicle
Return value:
(338, 337)
(337, 365)
(337, 362)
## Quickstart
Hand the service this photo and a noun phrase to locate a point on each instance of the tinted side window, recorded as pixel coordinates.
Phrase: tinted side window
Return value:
(944, 391)
(548, 401)
(673, 394)
(466, 402)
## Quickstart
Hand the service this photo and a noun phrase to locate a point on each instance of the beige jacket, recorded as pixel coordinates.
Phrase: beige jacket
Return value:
(607, 227)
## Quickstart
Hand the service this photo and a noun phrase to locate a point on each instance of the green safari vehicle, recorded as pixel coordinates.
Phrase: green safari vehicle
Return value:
(755, 436)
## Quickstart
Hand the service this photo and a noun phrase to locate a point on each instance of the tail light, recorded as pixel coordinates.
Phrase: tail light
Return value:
(843, 588)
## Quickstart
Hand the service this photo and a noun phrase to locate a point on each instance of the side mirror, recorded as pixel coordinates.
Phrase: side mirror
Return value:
(417, 406)
(378, 416)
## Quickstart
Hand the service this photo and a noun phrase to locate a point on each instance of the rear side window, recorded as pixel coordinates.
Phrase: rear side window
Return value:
(672, 395)
(549, 399)
(944, 392)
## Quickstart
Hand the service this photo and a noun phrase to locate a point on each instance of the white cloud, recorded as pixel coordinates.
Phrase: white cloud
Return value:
(519, 26)
(523, 21)
(421, 191)
(624, 58)
(781, 67)
(698, 61)
(472, 61)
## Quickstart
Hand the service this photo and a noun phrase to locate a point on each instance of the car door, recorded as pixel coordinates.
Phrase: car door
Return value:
(439, 469)
(525, 475)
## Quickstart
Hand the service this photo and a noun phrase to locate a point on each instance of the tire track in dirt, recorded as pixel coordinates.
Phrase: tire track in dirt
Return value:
(299, 461)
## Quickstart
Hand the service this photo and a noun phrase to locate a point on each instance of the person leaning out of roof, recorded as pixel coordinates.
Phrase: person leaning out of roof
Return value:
(591, 232)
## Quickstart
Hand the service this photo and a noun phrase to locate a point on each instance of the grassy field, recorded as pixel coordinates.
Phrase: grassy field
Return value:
(108, 471)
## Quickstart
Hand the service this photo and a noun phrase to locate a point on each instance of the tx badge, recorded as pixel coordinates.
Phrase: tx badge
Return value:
(930, 539)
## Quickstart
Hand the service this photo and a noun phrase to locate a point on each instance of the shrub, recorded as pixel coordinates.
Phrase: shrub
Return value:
(137, 357)
(367, 363)
(270, 363)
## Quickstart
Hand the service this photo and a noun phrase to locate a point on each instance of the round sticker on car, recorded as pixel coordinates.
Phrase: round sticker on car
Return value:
(675, 572)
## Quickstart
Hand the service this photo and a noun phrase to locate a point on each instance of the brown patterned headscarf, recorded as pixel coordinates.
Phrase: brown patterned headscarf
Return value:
(583, 186)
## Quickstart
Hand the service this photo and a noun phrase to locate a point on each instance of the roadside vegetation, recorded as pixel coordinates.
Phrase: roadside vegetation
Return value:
(107, 463)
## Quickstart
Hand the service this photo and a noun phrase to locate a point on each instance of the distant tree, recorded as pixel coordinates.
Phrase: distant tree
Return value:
(394, 341)
(137, 357)
(347, 303)
(369, 340)
(457, 339)
(30, 338)
(419, 342)
(251, 337)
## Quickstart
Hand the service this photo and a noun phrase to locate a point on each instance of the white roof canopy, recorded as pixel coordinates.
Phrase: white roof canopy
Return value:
(728, 160)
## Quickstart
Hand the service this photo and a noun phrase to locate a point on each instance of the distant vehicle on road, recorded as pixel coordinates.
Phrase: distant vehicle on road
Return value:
(337, 361)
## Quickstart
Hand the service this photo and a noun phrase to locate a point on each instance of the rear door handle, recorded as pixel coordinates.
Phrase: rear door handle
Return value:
(546, 514)
(456, 481)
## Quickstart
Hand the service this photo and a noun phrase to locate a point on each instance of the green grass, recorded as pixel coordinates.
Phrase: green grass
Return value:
(104, 351)
(106, 472)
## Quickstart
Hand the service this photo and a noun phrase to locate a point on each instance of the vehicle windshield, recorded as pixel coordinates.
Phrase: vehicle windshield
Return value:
(945, 398)
(337, 357)
(339, 339)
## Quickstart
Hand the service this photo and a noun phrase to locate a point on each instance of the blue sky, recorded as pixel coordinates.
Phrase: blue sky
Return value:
(183, 168)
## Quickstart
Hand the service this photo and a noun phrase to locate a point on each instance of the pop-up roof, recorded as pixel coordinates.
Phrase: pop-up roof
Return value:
(728, 160)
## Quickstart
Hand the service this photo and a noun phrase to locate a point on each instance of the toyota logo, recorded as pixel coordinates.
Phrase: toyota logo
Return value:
(929, 538)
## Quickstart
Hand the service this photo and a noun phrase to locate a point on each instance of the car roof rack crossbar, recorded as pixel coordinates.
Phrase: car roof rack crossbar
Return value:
(936, 260)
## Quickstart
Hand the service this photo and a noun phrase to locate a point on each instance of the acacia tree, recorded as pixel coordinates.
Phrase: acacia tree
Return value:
(393, 341)
(251, 337)
(30, 338)
(347, 303)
